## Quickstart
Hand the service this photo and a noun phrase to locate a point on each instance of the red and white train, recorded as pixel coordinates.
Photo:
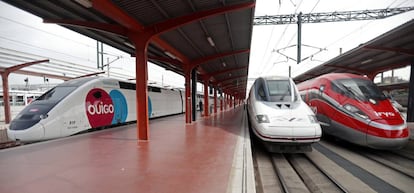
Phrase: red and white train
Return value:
(352, 108)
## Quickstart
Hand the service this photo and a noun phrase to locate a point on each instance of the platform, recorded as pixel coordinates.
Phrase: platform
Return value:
(209, 155)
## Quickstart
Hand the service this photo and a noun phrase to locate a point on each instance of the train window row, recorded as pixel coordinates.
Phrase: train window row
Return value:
(131, 86)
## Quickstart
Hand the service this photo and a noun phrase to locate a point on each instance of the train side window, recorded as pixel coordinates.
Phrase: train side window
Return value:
(154, 89)
(127, 85)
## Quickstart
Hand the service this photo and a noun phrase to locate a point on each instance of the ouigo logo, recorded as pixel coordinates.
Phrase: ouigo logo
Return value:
(105, 109)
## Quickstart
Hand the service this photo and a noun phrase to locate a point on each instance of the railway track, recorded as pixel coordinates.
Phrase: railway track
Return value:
(308, 177)
(9, 144)
(334, 167)
(398, 163)
(292, 173)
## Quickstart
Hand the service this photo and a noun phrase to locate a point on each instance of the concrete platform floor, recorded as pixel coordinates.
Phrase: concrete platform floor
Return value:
(178, 158)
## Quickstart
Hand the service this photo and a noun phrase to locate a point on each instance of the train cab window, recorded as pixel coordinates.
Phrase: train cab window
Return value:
(360, 88)
(261, 93)
(57, 93)
(279, 90)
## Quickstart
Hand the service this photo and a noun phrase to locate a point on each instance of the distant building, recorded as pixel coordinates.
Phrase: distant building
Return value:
(21, 95)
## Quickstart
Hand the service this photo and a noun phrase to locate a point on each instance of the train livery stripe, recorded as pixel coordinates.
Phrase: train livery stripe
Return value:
(120, 107)
(149, 107)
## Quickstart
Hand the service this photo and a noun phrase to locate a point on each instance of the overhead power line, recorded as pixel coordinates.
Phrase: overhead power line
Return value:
(329, 16)
(301, 18)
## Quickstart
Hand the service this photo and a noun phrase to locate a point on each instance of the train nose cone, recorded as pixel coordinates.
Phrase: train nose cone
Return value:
(387, 136)
(34, 133)
(10, 134)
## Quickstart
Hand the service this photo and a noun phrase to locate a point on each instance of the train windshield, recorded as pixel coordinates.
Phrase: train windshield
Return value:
(279, 90)
(57, 93)
(360, 88)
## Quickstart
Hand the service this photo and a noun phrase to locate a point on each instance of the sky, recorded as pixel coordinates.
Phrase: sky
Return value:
(26, 33)
(265, 61)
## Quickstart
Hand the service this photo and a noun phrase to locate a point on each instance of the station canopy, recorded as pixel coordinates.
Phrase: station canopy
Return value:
(226, 32)
(394, 49)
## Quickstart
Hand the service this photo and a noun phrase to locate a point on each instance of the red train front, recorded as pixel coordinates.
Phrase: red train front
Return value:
(351, 107)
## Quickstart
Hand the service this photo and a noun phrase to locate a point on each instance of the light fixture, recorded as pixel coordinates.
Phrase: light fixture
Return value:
(224, 64)
(129, 44)
(210, 40)
(170, 55)
(85, 3)
(366, 61)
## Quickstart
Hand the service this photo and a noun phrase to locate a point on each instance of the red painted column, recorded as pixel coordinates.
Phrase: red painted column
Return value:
(6, 102)
(221, 102)
(187, 74)
(215, 100)
(224, 102)
(206, 114)
(230, 101)
(227, 101)
(141, 72)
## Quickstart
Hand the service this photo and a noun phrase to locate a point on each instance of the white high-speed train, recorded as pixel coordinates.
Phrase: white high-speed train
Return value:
(93, 102)
(279, 118)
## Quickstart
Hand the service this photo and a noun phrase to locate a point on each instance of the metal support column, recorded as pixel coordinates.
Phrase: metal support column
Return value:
(141, 73)
(194, 93)
(187, 99)
(6, 102)
(221, 101)
(410, 109)
(206, 113)
(299, 37)
(215, 100)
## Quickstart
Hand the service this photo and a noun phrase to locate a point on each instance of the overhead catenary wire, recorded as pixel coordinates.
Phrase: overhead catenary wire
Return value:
(264, 69)
(361, 27)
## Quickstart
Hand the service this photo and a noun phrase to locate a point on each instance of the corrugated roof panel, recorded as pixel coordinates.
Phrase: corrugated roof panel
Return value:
(230, 32)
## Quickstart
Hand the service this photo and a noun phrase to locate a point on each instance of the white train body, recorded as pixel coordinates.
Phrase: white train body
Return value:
(280, 118)
(81, 104)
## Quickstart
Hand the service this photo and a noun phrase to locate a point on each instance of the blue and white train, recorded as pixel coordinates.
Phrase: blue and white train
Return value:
(279, 118)
(93, 102)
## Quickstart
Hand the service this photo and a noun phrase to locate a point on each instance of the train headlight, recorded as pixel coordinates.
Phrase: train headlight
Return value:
(355, 111)
(262, 119)
(313, 119)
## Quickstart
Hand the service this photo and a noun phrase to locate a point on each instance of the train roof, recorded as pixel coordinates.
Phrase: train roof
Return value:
(77, 81)
(274, 78)
(80, 81)
(330, 77)
(335, 76)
